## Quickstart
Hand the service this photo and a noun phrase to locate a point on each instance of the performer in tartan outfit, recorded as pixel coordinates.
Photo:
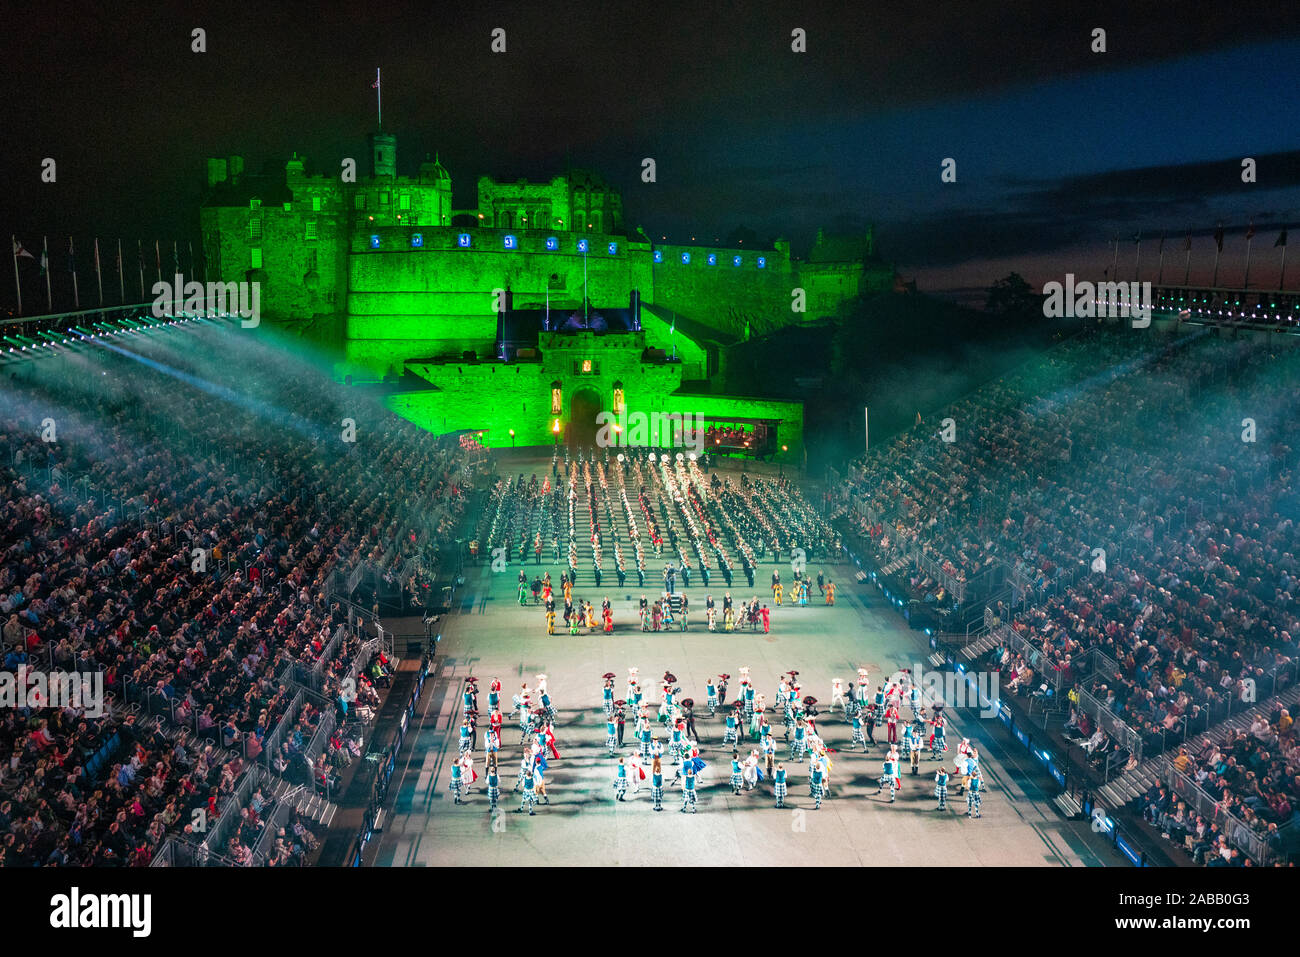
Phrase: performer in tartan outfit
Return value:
(737, 774)
(973, 795)
(493, 785)
(492, 744)
(816, 786)
(799, 746)
(732, 734)
(494, 694)
(657, 785)
(941, 788)
(611, 736)
(778, 785)
(525, 769)
(620, 781)
(457, 783)
(914, 741)
(609, 697)
(749, 701)
(643, 733)
(529, 798)
(889, 775)
(857, 732)
(938, 740)
(466, 737)
(688, 790)
(675, 749)
(905, 743)
(711, 697)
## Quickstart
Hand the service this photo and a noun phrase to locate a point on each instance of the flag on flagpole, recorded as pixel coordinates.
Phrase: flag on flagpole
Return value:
(1281, 239)
(20, 251)
(1137, 237)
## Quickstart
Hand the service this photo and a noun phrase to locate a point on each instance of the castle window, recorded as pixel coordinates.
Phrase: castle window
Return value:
(255, 258)
(596, 217)
(404, 201)
(255, 228)
(383, 198)
(619, 405)
(310, 233)
(288, 207)
(315, 204)
(557, 398)
(360, 201)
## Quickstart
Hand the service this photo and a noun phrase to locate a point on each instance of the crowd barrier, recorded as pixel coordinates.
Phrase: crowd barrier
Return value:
(386, 766)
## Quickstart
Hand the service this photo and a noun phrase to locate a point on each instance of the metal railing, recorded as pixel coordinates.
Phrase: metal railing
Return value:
(1238, 833)
(1112, 724)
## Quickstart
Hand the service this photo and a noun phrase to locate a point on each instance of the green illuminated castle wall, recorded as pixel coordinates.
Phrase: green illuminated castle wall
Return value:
(385, 273)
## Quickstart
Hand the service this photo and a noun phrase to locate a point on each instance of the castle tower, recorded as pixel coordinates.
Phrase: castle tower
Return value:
(383, 154)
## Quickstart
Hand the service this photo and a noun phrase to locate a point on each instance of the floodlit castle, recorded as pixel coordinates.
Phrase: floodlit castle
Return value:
(525, 313)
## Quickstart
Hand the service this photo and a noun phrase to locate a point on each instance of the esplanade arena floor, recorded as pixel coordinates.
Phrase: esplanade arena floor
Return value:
(489, 635)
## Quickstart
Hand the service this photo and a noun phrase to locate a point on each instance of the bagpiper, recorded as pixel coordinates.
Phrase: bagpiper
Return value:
(620, 781)
(941, 788)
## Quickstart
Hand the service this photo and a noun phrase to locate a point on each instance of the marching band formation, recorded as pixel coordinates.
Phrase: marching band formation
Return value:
(665, 734)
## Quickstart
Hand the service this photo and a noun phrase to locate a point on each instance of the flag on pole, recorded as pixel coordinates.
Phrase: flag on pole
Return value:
(20, 251)
(375, 85)
(1137, 237)
(1281, 239)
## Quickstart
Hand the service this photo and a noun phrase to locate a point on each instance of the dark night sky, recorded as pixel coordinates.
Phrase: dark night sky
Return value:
(1057, 148)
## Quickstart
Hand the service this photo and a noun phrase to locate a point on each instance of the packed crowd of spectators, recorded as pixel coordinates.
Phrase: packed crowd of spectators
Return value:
(1252, 776)
(181, 535)
(1137, 497)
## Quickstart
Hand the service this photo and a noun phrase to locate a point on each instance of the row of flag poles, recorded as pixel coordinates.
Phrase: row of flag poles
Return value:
(1280, 242)
(20, 252)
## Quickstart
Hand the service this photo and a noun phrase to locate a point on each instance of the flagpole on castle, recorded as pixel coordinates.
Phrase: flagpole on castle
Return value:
(1137, 257)
(72, 265)
(1160, 270)
(18, 283)
(1250, 236)
(1281, 241)
(99, 276)
(1187, 269)
(379, 96)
